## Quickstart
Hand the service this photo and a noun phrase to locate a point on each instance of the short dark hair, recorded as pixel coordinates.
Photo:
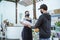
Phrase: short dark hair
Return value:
(26, 11)
(44, 6)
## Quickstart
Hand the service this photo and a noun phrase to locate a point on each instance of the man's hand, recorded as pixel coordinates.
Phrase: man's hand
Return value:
(36, 30)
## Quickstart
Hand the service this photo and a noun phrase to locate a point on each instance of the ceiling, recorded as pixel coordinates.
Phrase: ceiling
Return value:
(27, 2)
(24, 2)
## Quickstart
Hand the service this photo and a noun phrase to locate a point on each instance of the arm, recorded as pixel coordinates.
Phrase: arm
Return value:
(30, 23)
(39, 22)
(26, 23)
(23, 22)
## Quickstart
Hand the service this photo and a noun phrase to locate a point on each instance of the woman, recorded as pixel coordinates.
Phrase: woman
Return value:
(27, 31)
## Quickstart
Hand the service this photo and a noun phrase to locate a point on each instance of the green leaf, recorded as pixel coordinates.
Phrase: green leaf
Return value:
(57, 23)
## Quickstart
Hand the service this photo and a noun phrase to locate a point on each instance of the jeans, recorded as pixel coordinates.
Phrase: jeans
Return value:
(44, 39)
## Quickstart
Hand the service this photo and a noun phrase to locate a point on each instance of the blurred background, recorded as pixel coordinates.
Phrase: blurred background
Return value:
(13, 11)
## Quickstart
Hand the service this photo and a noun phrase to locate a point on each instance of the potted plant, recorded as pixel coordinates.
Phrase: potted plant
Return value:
(57, 26)
(57, 23)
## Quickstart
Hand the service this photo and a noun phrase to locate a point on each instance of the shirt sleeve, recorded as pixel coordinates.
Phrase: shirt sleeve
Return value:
(22, 20)
(39, 22)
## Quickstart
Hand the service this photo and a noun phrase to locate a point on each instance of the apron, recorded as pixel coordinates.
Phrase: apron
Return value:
(27, 32)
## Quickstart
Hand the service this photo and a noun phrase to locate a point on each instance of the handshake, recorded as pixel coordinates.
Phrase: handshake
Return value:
(28, 24)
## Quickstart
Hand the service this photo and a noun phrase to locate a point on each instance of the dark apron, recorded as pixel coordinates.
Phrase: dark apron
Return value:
(27, 33)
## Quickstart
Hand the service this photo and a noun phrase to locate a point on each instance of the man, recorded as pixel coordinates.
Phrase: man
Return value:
(44, 23)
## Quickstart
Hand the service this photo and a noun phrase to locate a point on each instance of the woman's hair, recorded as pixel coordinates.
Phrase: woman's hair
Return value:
(26, 11)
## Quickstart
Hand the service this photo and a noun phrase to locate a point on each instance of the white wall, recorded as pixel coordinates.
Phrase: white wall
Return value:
(14, 32)
(8, 10)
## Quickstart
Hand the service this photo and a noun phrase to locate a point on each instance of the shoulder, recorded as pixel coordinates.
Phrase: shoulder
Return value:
(41, 16)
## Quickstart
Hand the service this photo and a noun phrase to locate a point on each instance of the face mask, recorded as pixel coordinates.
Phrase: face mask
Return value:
(41, 12)
(27, 14)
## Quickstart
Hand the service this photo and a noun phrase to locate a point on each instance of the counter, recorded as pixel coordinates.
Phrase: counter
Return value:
(14, 32)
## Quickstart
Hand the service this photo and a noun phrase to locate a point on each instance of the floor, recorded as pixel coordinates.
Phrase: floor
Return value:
(9, 39)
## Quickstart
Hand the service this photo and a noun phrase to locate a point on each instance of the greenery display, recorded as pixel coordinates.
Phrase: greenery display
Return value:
(57, 23)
